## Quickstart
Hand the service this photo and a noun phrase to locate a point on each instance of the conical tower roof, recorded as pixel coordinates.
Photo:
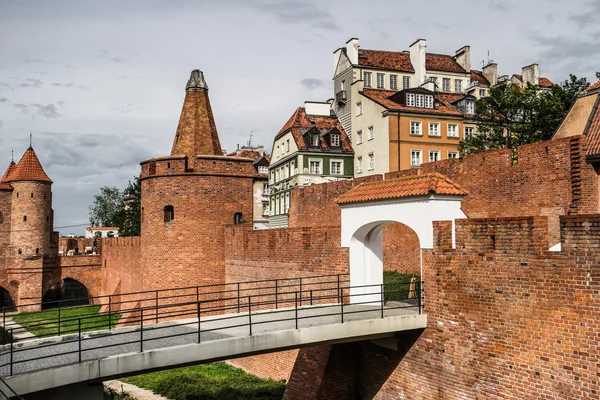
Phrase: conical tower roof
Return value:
(3, 181)
(29, 168)
(196, 132)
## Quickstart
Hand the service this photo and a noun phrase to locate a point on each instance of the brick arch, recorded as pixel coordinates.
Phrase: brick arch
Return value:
(11, 290)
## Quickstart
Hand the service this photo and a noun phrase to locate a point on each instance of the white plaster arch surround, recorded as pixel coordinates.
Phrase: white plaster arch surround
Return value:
(362, 225)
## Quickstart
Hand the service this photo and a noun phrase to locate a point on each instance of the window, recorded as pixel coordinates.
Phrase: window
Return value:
(359, 164)
(293, 168)
(265, 210)
(433, 79)
(32, 195)
(394, 82)
(335, 140)
(468, 132)
(37, 251)
(446, 84)
(470, 107)
(371, 133)
(237, 218)
(405, 82)
(452, 130)
(343, 85)
(371, 161)
(367, 79)
(315, 140)
(337, 167)
(380, 81)
(24, 217)
(434, 129)
(288, 145)
(429, 101)
(410, 100)
(434, 155)
(358, 108)
(420, 100)
(277, 151)
(277, 204)
(315, 166)
(277, 175)
(266, 190)
(359, 137)
(286, 171)
(416, 158)
(287, 202)
(169, 213)
(453, 154)
(481, 92)
(415, 128)
(1, 218)
(263, 170)
(458, 86)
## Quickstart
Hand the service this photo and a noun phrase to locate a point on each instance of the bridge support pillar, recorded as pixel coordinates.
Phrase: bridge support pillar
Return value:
(77, 391)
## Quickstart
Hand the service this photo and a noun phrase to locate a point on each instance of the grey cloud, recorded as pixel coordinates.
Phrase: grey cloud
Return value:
(116, 59)
(22, 107)
(4, 100)
(4, 85)
(30, 83)
(499, 5)
(127, 108)
(47, 111)
(1, 123)
(296, 12)
(312, 83)
(590, 17)
(70, 85)
(32, 60)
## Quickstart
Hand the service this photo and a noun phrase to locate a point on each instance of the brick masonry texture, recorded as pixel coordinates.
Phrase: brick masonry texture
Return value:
(277, 366)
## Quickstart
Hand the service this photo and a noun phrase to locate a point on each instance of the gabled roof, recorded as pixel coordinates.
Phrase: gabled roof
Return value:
(300, 123)
(3, 182)
(245, 153)
(442, 62)
(477, 76)
(591, 88)
(542, 82)
(29, 168)
(416, 185)
(382, 97)
(395, 60)
(592, 131)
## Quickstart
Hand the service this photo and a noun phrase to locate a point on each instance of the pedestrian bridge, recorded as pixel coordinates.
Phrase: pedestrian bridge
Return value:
(214, 324)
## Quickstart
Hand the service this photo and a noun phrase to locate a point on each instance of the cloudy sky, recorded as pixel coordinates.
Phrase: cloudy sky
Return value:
(100, 84)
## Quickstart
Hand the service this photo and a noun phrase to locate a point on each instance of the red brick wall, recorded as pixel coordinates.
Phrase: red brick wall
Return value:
(276, 366)
(5, 206)
(121, 261)
(401, 249)
(86, 270)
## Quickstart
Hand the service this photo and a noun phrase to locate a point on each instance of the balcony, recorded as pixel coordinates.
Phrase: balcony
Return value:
(341, 97)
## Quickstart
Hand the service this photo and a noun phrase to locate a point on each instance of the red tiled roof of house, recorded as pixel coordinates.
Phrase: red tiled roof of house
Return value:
(477, 76)
(29, 168)
(245, 153)
(300, 122)
(595, 86)
(593, 134)
(415, 185)
(450, 97)
(396, 60)
(542, 82)
(382, 97)
(442, 62)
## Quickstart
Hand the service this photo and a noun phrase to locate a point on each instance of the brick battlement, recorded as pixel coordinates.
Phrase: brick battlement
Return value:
(125, 241)
(202, 165)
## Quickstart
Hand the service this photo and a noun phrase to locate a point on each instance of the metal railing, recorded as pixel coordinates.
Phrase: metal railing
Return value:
(10, 393)
(329, 296)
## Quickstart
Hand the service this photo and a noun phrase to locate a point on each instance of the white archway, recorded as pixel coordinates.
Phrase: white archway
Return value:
(362, 225)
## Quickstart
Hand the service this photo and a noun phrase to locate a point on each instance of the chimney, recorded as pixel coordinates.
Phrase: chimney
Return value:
(317, 108)
(352, 50)
(463, 57)
(490, 72)
(417, 58)
(430, 85)
(531, 74)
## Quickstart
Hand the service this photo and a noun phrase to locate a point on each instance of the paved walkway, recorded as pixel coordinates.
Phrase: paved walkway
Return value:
(136, 392)
(58, 351)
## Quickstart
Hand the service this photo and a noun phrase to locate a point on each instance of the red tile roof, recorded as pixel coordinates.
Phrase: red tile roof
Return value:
(300, 122)
(245, 153)
(416, 185)
(396, 60)
(545, 82)
(595, 86)
(442, 62)
(593, 134)
(382, 97)
(477, 76)
(29, 168)
(4, 179)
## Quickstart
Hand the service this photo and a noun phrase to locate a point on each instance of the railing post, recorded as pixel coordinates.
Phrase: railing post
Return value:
(419, 296)
(342, 307)
(199, 322)
(250, 314)
(156, 304)
(79, 332)
(238, 296)
(58, 318)
(11, 351)
(141, 329)
(3, 317)
(338, 286)
(311, 297)
(109, 311)
(276, 294)
(296, 308)
(300, 292)
(382, 299)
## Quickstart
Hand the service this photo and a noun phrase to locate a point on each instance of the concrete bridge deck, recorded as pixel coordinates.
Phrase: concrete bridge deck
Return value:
(43, 364)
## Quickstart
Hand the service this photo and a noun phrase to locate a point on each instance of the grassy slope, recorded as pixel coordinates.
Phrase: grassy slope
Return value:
(215, 381)
(45, 323)
(396, 286)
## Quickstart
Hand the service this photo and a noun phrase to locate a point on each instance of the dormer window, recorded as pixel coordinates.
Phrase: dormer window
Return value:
(470, 107)
(419, 100)
(335, 140)
(410, 100)
(428, 101)
(315, 140)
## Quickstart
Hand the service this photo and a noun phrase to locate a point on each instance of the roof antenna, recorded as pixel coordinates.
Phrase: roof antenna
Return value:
(250, 139)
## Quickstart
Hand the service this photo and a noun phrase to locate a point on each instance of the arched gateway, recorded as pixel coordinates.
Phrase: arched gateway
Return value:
(415, 201)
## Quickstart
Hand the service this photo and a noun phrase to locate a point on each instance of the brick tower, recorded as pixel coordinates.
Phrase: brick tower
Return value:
(31, 223)
(189, 197)
(5, 209)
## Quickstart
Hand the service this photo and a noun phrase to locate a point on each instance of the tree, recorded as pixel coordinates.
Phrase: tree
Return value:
(511, 116)
(598, 75)
(119, 209)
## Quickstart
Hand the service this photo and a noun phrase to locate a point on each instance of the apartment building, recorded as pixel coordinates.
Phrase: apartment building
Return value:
(312, 147)
(396, 130)
(530, 74)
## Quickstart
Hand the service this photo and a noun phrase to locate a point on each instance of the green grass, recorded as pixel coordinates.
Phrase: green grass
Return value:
(396, 285)
(217, 381)
(45, 323)
(110, 394)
